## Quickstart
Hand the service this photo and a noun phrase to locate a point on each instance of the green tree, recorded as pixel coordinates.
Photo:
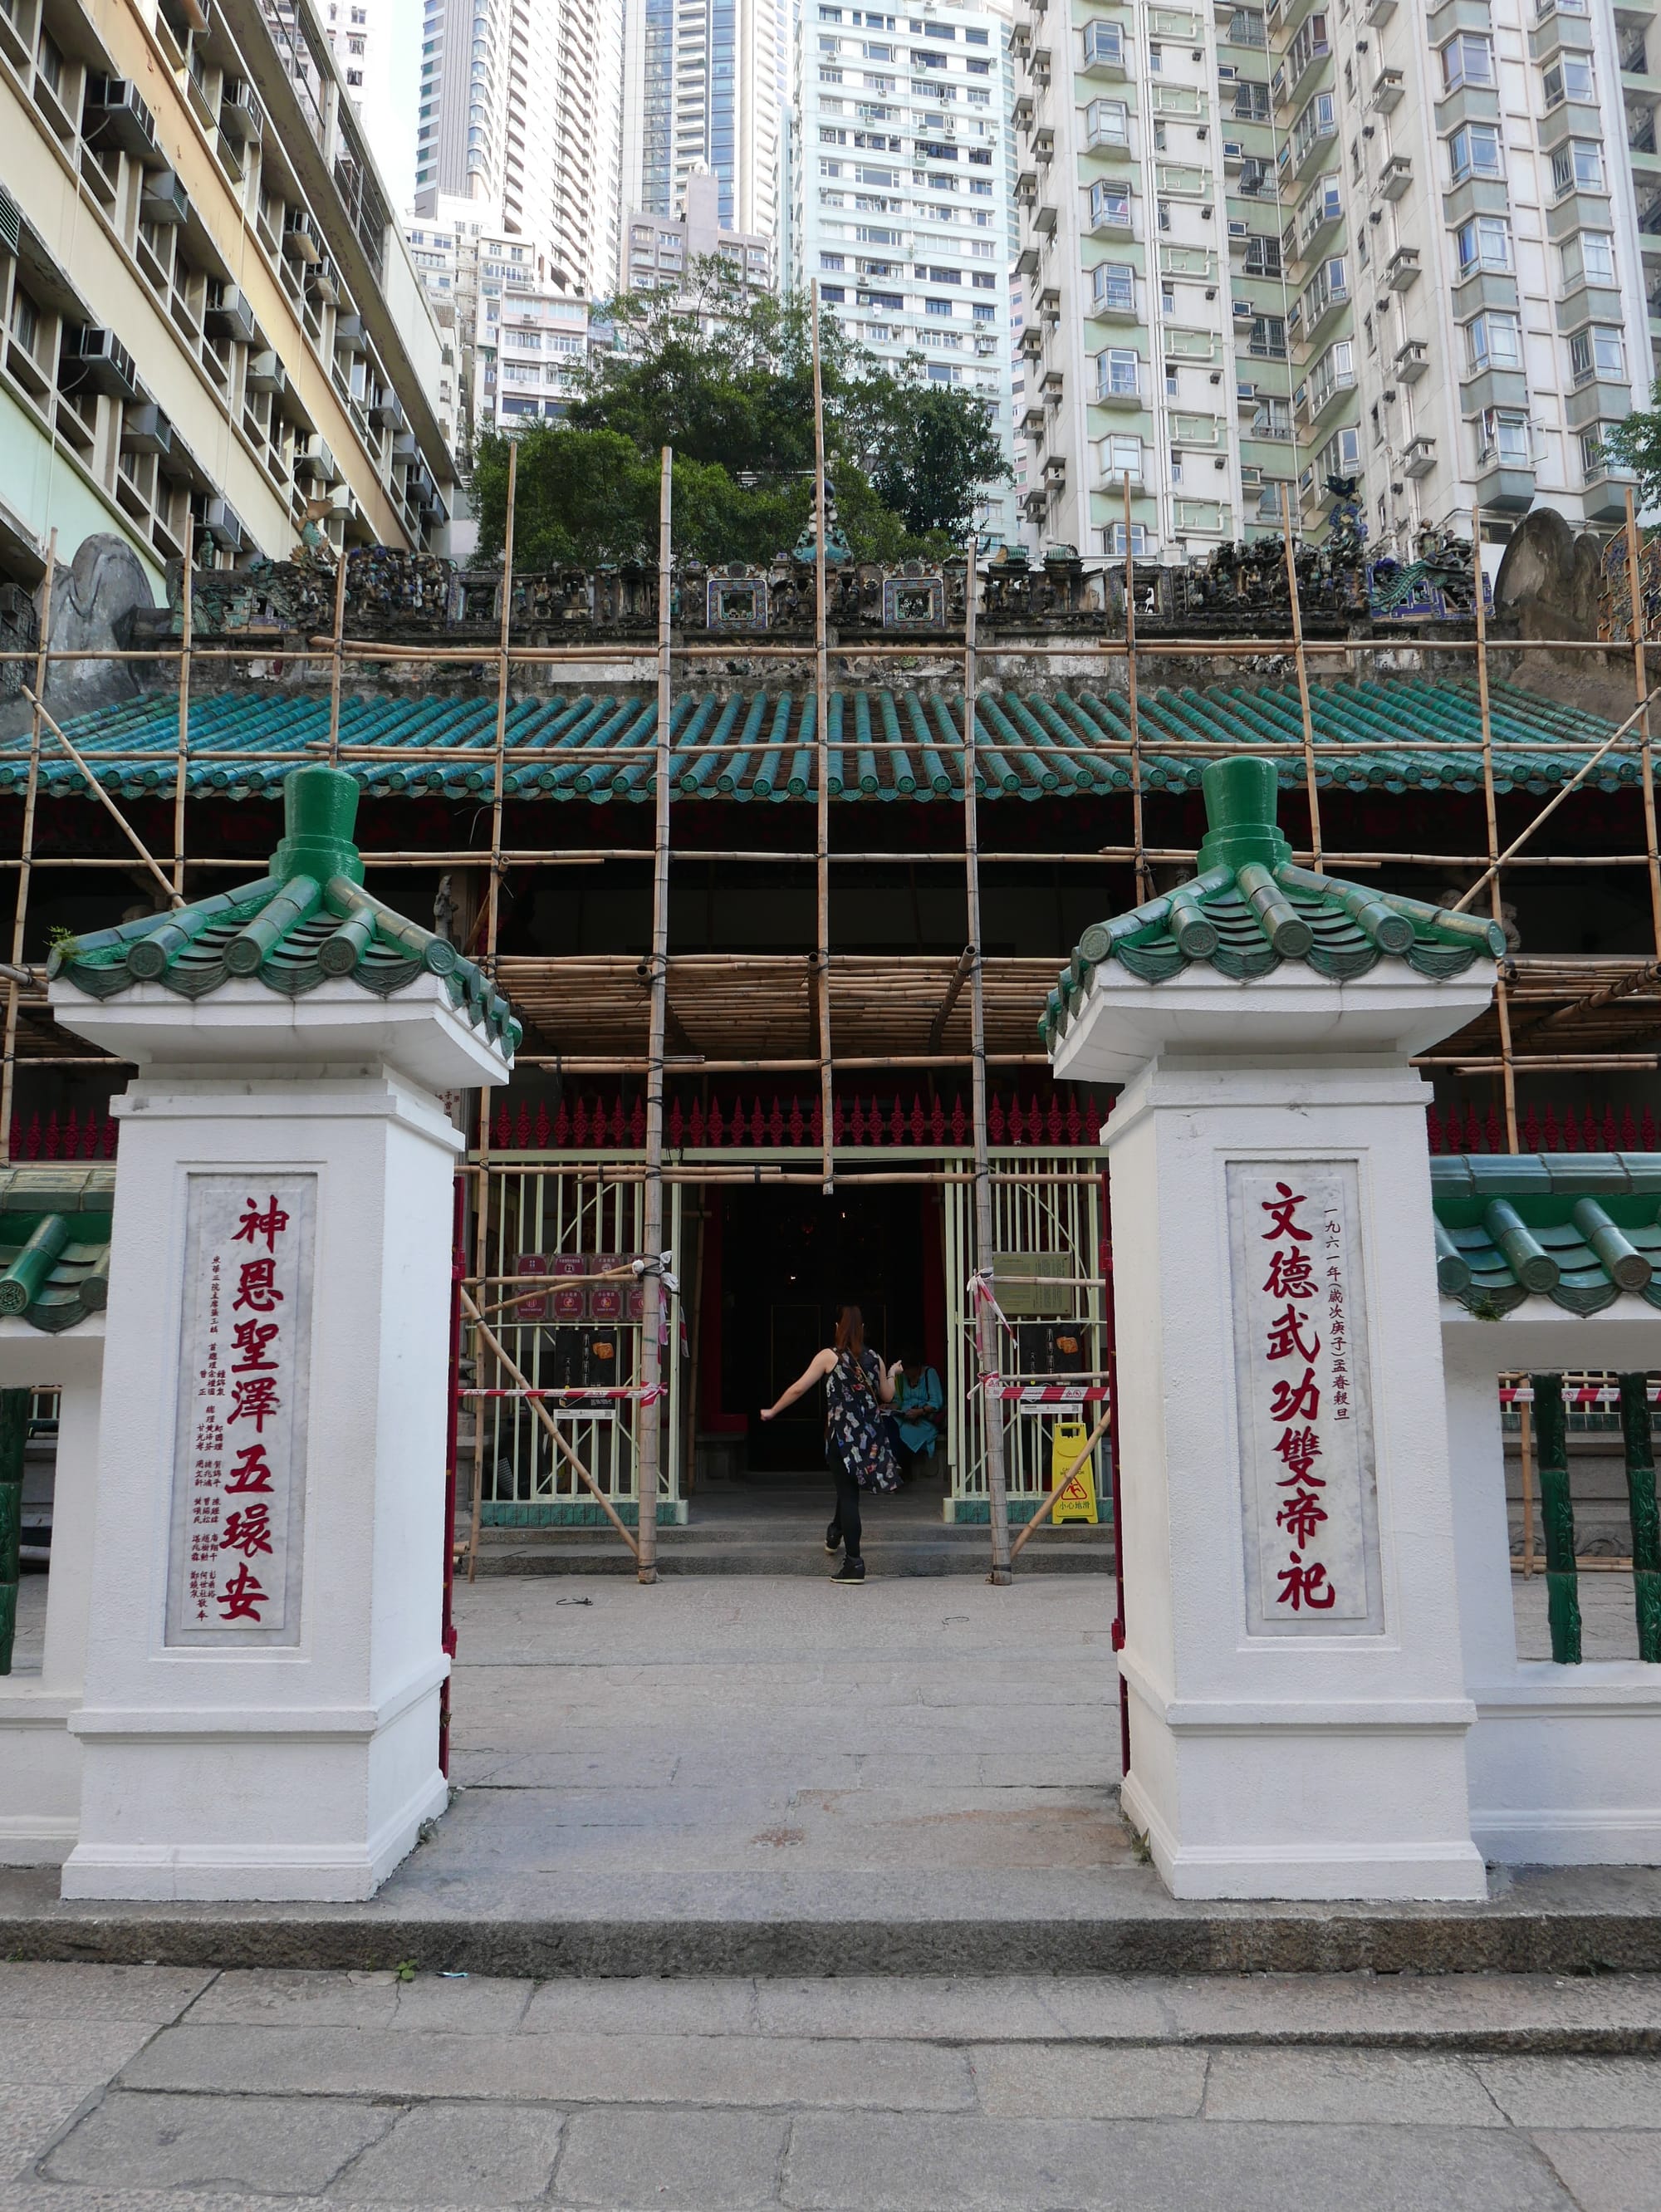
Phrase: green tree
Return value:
(584, 498)
(1636, 444)
(938, 447)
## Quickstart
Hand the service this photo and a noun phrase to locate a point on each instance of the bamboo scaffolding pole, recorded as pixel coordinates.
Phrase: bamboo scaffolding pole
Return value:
(20, 910)
(986, 1341)
(1144, 879)
(1104, 856)
(1295, 604)
(1641, 687)
(494, 1345)
(1501, 1005)
(336, 656)
(650, 1423)
(499, 781)
(1024, 1536)
(103, 799)
(822, 757)
(1526, 1443)
(1563, 792)
(181, 755)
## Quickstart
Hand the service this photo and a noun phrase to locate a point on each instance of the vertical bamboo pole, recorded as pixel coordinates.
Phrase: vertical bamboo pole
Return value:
(481, 1175)
(820, 724)
(181, 758)
(25, 863)
(985, 1324)
(1645, 1520)
(1143, 878)
(1502, 999)
(336, 656)
(1557, 1511)
(651, 1416)
(1641, 677)
(1302, 662)
(1526, 1439)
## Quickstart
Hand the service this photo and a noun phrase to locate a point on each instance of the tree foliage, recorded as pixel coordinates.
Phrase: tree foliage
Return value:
(1636, 444)
(725, 380)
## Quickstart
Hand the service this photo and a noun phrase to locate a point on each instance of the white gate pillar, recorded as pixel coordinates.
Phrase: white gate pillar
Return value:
(264, 1660)
(1297, 1710)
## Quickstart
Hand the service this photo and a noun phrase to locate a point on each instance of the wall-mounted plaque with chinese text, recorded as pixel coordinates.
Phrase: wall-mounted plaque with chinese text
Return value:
(239, 1497)
(1308, 1472)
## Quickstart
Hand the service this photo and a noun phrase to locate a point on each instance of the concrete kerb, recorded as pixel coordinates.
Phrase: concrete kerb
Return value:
(1561, 1921)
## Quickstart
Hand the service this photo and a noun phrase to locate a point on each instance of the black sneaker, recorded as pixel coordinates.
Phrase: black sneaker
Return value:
(833, 1539)
(850, 1571)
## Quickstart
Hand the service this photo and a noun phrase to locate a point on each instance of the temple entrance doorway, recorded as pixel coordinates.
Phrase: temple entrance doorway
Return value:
(789, 1258)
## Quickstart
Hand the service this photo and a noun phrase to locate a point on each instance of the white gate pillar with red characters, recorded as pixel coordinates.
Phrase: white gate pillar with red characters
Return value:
(1297, 1700)
(264, 1656)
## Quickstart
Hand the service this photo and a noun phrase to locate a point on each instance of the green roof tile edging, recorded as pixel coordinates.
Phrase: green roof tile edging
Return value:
(308, 921)
(1578, 1228)
(55, 1245)
(1250, 907)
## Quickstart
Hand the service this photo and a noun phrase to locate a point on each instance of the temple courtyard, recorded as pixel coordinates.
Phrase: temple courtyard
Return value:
(657, 1955)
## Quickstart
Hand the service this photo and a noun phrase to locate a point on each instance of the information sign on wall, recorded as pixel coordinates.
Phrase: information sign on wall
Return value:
(1308, 1472)
(238, 1494)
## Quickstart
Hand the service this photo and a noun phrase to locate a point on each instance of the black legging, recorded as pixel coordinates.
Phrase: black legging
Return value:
(847, 1502)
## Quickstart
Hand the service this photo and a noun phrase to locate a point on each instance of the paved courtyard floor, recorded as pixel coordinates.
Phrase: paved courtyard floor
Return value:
(177, 2090)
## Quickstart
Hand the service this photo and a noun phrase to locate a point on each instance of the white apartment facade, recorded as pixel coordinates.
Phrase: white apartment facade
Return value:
(207, 316)
(520, 111)
(703, 89)
(659, 250)
(1375, 241)
(902, 208)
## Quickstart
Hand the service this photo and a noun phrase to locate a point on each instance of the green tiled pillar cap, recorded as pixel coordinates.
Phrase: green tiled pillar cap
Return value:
(319, 813)
(1240, 796)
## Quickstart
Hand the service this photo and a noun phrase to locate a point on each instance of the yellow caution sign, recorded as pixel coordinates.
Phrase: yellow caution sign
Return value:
(1077, 1499)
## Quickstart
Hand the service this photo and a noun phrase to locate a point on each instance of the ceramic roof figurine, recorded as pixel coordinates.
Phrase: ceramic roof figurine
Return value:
(307, 921)
(1251, 908)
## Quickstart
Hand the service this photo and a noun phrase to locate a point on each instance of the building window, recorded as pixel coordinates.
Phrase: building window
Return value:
(1113, 285)
(1577, 167)
(1110, 206)
(1495, 341)
(1474, 151)
(1598, 354)
(1114, 537)
(936, 307)
(1468, 59)
(1119, 374)
(1588, 258)
(1484, 242)
(1503, 439)
(1569, 77)
(1268, 338)
(1104, 42)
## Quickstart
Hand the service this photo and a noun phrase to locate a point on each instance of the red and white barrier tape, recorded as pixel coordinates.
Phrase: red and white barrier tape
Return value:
(574, 1394)
(1044, 1394)
(1522, 1394)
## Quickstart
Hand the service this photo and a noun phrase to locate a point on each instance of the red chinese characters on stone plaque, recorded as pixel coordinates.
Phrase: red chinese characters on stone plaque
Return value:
(239, 1493)
(1308, 1485)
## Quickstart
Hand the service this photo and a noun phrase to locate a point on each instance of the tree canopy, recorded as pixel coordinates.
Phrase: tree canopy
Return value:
(725, 380)
(1636, 444)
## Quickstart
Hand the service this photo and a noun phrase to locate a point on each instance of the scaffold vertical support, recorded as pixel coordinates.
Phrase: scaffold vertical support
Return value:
(1144, 880)
(337, 652)
(1501, 1001)
(821, 762)
(1301, 658)
(25, 863)
(182, 750)
(1639, 628)
(653, 1315)
(985, 1325)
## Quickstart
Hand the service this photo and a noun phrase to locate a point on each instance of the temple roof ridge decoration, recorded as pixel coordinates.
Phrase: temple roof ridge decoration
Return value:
(307, 921)
(1251, 908)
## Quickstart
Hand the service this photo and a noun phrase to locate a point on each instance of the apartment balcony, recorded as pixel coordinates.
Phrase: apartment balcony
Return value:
(1474, 195)
(1114, 308)
(1605, 492)
(1318, 405)
(1119, 392)
(1584, 303)
(1110, 217)
(1503, 486)
(1411, 361)
(1484, 287)
(1598, 401)
(1110, 143)
(1313, 321)
(1105, 56)
(1472, 103)
(1493, 388)
(1389, 90)
(1444, 18)
(1581, 211)
(1402, 269)
(1396, 178)
(1557, 31)
(1570, 119)
(1419, 458)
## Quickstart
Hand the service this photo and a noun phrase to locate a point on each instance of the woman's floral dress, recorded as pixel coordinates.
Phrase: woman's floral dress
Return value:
(856, 1427)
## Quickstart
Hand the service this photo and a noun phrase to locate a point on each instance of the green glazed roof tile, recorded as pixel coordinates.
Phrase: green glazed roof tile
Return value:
(1580, 1229)
(1030, 744)
(308, 921)
(1251, 908)
(55, 1244)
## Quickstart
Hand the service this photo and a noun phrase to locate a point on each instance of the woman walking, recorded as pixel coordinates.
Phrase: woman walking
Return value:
(857, 1448)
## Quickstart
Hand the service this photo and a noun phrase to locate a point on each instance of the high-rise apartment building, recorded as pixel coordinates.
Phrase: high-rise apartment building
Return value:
(210, 319)
(661, 252)
(520, 110)
(1377, 241)
(902, 191)
(703, 86)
